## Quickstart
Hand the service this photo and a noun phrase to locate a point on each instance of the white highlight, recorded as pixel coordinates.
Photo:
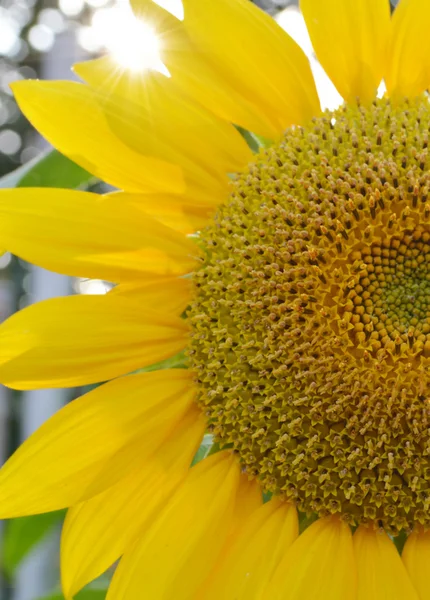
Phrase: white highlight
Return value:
(132, 43)
(292, 21)
(173, 6)
(92, 287)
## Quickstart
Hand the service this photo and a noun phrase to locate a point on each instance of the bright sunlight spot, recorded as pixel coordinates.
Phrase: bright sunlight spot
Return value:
(132, 43)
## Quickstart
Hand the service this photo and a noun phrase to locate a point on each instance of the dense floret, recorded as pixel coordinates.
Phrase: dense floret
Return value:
(311, 320)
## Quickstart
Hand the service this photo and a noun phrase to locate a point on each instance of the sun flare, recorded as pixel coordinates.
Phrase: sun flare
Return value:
(132, 43)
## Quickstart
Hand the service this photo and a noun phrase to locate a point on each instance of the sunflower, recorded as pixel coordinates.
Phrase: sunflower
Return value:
(292, 281)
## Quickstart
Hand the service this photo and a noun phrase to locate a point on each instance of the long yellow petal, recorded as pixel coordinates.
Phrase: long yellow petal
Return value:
(93, 442)
(97, 532)
(408, 71)
(176, 553)
(70, 117)
(247, 565)
(88, 235)
(248, 499)
(416, 558)
(175, 128)
(274, 70)
(319, 564)
(237, 61)
(350, 40)
(79, 340)
(381, 574)
(196, 75)
(171, 295)
(181, 213)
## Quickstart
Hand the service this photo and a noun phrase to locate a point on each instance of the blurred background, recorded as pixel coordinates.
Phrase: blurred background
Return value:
(42, 39)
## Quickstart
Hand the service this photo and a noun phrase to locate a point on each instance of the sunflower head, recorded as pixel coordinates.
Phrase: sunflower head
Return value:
(296, 280)
(311, 321)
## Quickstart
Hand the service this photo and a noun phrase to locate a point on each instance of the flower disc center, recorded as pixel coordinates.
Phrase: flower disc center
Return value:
(389, 302)
(311, 318)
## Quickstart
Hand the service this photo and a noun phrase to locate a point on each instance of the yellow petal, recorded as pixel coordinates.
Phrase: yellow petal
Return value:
(70, 117)
(181, 213)
(416, 558)
(381, 574)
(319, 564)
(88, 235)
(350, 40)
(238, 62)
(94, 441)
(171, 295)
(175, 554)
(97, 532)
(79, 340)
(151, 115)
(197, 76)
(248, 498)
(408, 72)
(247, 565)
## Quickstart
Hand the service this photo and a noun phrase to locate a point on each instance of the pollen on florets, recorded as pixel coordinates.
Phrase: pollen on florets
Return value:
(311, 318)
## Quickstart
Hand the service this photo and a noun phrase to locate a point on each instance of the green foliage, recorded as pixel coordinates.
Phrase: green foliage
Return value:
(52, 169)
(178, 361)
(306, 520)
(83, 595)
(207, 448)
(267, 496)
(204, 450)
(23, 534)
(400, 540)
(254, 141)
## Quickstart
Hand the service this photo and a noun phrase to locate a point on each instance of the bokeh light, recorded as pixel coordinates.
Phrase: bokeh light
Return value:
(9, 33)
(71, 8)
(53, 19)
(41, 37)
(10, 141)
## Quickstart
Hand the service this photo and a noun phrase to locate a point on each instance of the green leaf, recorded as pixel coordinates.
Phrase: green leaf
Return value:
(306, 520)
(267, 496)
(179, 361)
(83, 595)
(254, 141)
(204, 449)
(52, 169)
(23, 534)
(400, 541)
